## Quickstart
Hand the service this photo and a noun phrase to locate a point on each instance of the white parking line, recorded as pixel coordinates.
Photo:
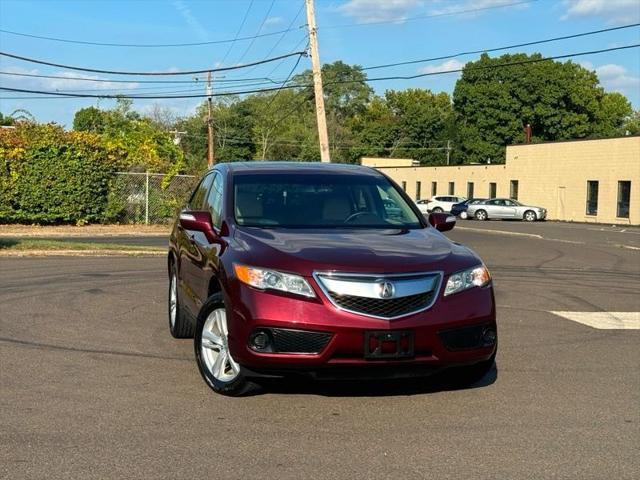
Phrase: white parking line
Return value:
(605, 320)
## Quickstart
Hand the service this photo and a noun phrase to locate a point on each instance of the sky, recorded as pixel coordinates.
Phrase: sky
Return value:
(363, 32)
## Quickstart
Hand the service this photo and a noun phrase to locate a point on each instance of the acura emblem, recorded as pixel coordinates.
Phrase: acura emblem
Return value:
(386, 289)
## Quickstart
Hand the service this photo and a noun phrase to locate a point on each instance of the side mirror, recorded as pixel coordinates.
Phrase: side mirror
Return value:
(198, 221)
(443, 222)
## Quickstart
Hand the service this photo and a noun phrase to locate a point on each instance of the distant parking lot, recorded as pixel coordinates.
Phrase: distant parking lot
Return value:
(93, 386)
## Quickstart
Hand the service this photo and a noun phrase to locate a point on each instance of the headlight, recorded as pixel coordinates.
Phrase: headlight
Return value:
(273, 280)
(474, 277)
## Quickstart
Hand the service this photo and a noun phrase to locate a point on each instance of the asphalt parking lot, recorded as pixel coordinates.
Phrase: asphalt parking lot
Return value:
(93, 386)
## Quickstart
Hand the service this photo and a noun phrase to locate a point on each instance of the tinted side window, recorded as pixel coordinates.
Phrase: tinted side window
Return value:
(200, 193)
(214, 201)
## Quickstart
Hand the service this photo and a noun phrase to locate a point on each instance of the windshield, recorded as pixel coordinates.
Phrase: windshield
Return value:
(320, 201)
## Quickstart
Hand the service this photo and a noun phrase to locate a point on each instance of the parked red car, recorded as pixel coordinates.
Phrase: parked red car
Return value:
(323, 269)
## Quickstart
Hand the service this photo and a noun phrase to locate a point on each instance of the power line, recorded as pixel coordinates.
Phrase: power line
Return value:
(107, 80)
(149, 45)
(113, 72)
(273, 99)
(336, 82)
(283, 35)
(267, 77)
(508, 47)
(244, 19)
(304, 38)
(426, 16)
(264, 20)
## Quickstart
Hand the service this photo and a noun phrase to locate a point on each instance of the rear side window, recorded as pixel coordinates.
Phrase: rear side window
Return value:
(196, 202)
(214, 201)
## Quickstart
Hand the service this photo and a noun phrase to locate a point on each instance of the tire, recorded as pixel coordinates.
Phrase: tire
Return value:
(530, 216)
(437, 210)
(217, 367)
(463, 215)
(481, 215)
(179, 324)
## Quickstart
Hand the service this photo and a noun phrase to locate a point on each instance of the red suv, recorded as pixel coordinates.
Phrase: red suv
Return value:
(323, 269)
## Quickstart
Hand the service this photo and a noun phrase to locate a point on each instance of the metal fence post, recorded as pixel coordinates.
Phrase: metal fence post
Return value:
(146, 203)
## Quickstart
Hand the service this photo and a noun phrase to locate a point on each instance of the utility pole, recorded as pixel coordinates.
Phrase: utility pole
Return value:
(210, 155)
(317, 83)
(448, 151)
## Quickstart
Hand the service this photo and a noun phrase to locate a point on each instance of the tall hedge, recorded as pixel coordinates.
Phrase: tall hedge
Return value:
(48, 175)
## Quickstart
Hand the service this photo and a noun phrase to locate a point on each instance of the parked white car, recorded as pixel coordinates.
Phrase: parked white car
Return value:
(439, 203)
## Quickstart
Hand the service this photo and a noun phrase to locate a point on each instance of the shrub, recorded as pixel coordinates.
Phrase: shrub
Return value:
(48, 175)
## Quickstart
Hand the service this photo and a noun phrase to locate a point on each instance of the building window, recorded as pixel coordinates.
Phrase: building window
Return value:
(434, 189)
(592, 197)
(404, 186)
(469, 189)
(514, 190)
(452, 188)
(418, 188)
(624, 197)
(493, 189)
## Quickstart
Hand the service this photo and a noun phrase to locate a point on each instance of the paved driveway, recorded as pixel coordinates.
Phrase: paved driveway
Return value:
(93, 386)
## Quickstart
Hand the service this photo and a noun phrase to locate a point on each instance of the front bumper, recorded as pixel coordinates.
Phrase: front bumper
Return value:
(252, 309)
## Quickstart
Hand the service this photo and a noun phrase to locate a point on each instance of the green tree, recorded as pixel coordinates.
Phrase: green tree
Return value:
(560, 101)
(6, 120)
(346, 95)
(143, 144)
(631, 125)
(90, 119)
(413, 123)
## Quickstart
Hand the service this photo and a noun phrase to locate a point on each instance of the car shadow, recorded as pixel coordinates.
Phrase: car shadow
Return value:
(441, 382)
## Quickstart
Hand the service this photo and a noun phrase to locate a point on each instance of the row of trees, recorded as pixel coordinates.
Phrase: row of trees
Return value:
(494, 99)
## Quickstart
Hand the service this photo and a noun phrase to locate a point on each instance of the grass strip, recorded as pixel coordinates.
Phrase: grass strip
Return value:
(19, 244)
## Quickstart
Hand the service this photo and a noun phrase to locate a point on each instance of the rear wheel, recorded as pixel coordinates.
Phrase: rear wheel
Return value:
(530, 216)
(481, 215)
(179, 325)
(437, 210)
(218, 368)
(463, 215)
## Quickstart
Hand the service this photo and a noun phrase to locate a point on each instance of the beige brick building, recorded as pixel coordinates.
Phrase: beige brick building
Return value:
(580, 181)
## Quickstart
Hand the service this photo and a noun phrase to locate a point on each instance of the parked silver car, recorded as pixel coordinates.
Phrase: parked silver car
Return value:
(506, 209)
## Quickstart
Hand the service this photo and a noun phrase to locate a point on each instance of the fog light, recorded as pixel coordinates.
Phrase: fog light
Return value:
(489, 336)
(260, 340)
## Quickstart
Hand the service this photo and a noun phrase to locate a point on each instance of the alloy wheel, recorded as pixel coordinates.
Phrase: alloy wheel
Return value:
(173, 301)
(214, 347)
(530, 216)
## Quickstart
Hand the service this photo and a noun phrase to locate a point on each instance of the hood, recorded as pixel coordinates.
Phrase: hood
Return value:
(351, 250)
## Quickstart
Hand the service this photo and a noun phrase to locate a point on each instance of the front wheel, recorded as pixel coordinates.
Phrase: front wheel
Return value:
(463, 215)
(530, 216)
(481, 215)
(437, 210)
(218, 368)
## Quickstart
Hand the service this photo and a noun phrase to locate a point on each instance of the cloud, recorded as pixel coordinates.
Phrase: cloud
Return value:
(273, 21)
(67, 81)
(191, 20)
(617, 12)
(365, 11)
(449, 65)
(617, 78)
(476, 5)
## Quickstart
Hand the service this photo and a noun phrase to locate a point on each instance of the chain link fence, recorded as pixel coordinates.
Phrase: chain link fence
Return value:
(147, 197)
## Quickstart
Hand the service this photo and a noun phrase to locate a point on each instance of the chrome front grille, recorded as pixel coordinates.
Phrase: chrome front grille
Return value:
(380, 296)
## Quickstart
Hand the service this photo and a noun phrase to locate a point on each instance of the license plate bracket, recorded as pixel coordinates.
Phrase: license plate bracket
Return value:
(388, 344)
